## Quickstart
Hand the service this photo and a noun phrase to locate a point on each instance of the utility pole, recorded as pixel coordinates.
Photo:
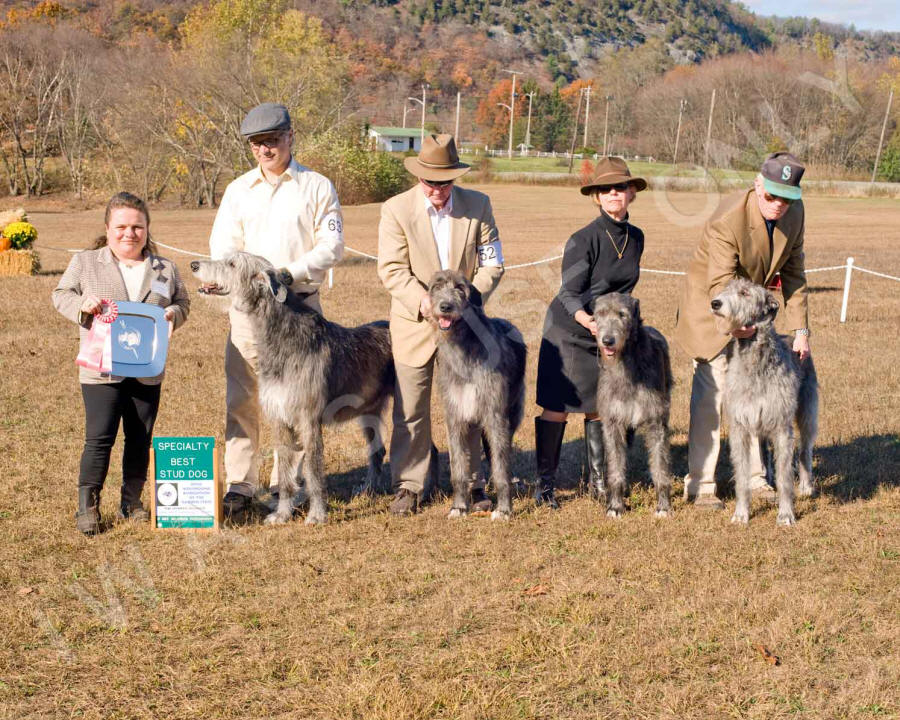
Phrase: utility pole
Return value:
(528, 126)
(606, 127)
(422, 103)
(405, 106)
(587, 112)
(512, 105)
(883, 127)
(574, 134)
(712, 106)
(681, 105)
(456, 133)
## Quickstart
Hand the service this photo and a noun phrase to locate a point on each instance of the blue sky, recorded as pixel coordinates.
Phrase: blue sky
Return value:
(864, 14)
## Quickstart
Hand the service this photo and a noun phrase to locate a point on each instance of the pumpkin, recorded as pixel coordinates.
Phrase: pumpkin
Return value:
(5, 243)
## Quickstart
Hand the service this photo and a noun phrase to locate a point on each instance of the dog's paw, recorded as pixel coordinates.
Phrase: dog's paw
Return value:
(785, 518)
(662, 513)
(806, 490)
(614, 513)
(741, 517)
(456, 513)
(277, 518)
(316, 519)
(500, 515)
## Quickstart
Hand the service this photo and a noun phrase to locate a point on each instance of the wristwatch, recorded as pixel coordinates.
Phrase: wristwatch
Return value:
(284, 277)
(802, 331)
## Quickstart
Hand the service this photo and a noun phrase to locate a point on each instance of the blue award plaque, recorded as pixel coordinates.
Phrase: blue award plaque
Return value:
(139, 340)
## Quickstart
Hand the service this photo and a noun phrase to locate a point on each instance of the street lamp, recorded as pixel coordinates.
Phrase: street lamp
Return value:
(422, 103)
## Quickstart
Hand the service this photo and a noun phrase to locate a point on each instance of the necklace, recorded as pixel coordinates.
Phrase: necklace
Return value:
(616, 247)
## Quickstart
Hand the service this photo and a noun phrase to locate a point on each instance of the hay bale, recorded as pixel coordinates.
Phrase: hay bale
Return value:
(19, 262)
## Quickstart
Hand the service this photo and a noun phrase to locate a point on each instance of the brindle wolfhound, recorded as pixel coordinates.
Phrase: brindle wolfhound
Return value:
(481, 377)
(310, 372)
(633, 390)
(767, 387)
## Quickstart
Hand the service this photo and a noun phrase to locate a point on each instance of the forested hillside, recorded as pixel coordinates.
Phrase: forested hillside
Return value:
(95, 81)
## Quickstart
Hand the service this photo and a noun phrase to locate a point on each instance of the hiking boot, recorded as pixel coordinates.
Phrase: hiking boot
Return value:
(135, 513)
(548, 437)
(761, 490)
(480, 501)
(406, 502)
(87, 518)
(234, 503)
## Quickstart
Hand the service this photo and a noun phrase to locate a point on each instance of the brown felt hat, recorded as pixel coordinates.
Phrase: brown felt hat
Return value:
(612, 171)
(437, 160)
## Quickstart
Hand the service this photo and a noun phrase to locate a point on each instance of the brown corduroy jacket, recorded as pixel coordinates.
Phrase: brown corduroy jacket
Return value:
(735, 243)
(408, 257)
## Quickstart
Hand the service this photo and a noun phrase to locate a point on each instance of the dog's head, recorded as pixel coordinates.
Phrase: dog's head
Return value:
(618, 319)
(743, 303)
(246, 276)
(451, 296)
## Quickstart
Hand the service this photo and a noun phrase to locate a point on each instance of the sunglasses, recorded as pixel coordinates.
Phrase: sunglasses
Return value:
(268, 142)
(605, 189)
(773, 198)
(437, 184)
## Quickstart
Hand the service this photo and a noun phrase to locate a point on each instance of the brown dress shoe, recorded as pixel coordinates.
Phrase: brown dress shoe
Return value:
(406, 502)
(708, 502)
(480, 501)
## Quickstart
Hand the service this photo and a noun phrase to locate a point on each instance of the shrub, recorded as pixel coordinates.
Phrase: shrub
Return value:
(889, 166)
(21, 235)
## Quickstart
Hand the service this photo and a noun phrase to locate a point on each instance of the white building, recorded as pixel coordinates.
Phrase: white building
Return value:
(395, 139)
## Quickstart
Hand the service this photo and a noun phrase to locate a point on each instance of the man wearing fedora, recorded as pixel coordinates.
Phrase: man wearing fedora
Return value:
(291, 216)
(435, 225)
(754, 234)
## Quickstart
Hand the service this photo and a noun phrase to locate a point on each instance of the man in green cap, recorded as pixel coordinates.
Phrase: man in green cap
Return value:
(754, 234)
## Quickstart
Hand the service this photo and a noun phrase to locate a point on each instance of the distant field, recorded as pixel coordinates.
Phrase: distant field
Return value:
(564, 615)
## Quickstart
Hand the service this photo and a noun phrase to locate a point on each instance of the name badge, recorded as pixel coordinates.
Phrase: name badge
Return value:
(160, 288)
(490, 254)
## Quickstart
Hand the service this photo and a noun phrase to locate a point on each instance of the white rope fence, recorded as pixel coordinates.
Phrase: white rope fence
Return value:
(849, 266)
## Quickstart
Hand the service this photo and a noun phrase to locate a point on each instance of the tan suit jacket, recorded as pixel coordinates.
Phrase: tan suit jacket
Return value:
(735, 243)
(408, 257)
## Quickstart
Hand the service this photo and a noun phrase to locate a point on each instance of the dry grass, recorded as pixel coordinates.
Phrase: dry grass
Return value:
(372, 617)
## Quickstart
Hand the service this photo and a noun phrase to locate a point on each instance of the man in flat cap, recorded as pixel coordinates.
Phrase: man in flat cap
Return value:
(754, 234)
(435, 225)
(291, 216)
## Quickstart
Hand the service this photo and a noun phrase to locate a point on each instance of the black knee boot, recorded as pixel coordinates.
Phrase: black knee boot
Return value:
(130, 505)
(548, 441)
(87, 519)
(594, 459)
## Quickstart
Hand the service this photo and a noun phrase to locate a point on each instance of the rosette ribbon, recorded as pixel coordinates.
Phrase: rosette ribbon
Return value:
(95, 352)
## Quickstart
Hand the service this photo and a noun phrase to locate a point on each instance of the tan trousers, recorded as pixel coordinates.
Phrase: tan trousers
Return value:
(411, 438)
(704, 433)
(242, 408)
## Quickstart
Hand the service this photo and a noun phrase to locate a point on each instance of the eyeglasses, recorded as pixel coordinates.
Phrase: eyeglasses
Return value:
(269, 142)
(621, 187)
(437, 184)
(778, 198)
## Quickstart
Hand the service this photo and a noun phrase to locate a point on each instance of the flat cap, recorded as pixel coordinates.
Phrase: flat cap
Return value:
(268, 117)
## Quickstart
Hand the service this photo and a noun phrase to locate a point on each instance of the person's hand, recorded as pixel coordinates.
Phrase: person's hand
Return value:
(90, 305)
(425, 306)
(801, 346)
(744, 332)
(170, 318)
(586, 321)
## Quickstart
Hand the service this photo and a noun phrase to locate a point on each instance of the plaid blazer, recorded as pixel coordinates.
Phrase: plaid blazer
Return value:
(96, 272)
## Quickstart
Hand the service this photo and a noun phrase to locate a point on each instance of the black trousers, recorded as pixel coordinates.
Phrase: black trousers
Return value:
(136, 405)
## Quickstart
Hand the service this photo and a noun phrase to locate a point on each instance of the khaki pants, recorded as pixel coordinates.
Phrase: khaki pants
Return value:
(411, 438)
(704, 433)
(242, 408)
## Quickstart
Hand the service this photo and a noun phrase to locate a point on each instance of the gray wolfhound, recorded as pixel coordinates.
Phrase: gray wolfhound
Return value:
(633, 390)
(766, 389)
(481, 377)
(310, 372)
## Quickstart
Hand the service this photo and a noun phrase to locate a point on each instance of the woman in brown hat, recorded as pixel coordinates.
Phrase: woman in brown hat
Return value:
(602, 257)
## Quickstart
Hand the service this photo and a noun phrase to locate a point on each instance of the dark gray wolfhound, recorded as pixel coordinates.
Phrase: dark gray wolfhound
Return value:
(481, 379)
(634, 389)
(767, 388)
(310, 372)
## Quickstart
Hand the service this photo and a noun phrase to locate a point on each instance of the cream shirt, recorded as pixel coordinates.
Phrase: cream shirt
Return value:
(133, 275)
(440, 227)
(295, 223)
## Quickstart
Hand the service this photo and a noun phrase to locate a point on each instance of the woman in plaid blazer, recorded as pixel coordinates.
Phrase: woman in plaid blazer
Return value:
(123, 266)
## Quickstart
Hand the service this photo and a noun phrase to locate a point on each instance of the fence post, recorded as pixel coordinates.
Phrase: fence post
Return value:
(846, 289)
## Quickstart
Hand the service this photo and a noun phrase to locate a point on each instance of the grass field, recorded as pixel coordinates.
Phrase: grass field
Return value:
(553, 615)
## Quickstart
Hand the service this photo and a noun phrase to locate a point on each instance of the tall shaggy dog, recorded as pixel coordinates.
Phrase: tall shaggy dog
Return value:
(633, 390)
(310, 372)
(481, 378)
(767, 388)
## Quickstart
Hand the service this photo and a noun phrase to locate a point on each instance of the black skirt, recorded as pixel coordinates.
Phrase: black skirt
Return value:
(567, 364)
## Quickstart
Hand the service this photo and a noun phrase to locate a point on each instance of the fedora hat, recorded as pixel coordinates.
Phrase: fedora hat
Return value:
(437, 160)
(612, 171)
